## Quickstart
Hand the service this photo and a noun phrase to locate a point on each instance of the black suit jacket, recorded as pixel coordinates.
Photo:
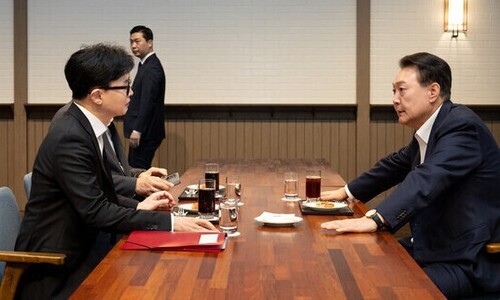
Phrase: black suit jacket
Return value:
(124, 177)
(146, 109)
(72, 200)
(451, 200)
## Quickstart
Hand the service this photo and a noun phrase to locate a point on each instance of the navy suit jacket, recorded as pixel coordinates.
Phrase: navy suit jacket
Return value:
(451, 200)
(72, 202)
(146, 109)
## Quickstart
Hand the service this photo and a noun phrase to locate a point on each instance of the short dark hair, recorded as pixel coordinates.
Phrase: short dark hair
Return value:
(96, 66)
(430, 69)
(146, 32)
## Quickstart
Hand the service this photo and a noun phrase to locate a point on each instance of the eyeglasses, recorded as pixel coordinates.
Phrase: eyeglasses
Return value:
(121, 87)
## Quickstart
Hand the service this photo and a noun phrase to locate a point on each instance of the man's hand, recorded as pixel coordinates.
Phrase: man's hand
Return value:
(153, 171)
(146, 185)
(159, 200)
(135, 139)
(192, 224)
(362, 224)
(335, 195)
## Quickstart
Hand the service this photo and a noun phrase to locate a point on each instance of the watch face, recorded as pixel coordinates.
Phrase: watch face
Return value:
(370, 213)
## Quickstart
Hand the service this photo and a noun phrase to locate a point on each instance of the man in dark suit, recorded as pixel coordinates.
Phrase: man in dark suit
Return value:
(144, 122)
(449, 183)
(73, 200)
(129, 182)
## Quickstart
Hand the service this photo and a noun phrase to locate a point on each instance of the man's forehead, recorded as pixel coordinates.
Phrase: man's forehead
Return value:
(136, 36)
(405, 75)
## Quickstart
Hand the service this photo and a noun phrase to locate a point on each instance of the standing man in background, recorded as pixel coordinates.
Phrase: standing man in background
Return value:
(144, 122)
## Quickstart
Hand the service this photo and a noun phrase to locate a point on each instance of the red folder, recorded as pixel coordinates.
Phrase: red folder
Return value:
(176, 241)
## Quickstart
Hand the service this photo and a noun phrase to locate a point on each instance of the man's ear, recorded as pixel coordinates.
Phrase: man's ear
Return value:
(96, 96)
(434, 91)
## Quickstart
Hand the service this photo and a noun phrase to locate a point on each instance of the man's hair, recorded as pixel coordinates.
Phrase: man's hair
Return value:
(96, 66)
(146, 32)
(430, 69)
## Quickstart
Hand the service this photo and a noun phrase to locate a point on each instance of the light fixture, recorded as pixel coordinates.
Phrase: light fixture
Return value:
(455, 16)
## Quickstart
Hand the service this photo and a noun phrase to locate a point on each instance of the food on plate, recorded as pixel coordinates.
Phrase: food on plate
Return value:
(325, 204)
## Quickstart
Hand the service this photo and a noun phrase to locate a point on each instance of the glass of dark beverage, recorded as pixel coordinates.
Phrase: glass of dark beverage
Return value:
(313, 185)
(212, 172)
(206, 198)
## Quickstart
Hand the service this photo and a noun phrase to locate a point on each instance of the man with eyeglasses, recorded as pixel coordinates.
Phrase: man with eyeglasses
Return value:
(129, 182)
(73, 201)
(144, 122)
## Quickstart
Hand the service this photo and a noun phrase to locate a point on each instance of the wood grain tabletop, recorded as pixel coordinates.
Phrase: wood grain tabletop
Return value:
(302, 261)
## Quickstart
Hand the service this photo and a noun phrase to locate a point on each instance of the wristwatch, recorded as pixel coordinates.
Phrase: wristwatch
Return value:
(372, 214)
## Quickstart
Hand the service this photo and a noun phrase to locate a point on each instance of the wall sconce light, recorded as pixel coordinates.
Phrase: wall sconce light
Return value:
(455, 16)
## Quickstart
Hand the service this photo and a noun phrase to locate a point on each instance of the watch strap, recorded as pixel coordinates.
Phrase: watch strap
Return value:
(380, 224)
(373, 214)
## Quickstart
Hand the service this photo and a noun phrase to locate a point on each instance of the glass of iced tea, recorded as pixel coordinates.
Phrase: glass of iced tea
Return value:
(206, 198)
(212, 172)
(313, 184)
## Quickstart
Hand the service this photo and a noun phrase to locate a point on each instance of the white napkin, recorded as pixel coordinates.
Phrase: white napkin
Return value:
(268, 217)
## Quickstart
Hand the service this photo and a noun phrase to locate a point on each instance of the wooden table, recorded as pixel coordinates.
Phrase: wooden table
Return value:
(303, 261)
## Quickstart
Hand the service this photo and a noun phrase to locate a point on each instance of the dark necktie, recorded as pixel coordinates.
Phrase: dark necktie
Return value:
(105, 154)
(119, 152)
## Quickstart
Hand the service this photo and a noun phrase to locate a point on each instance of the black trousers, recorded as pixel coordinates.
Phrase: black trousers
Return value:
(142, 156)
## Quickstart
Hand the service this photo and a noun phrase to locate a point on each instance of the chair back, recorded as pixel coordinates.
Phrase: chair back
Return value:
(10, 222)
(27, 184)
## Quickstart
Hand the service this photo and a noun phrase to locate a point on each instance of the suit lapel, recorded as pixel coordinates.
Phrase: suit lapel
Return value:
(415, 159)
(443, 112)
(78, 114)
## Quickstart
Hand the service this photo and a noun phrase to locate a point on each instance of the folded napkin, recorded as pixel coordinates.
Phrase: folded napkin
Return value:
(268, 217)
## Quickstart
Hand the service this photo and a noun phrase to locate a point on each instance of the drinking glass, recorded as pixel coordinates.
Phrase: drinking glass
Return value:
(206, 198)
(233, 188)
(313, 185)
(291, 185)
(228, 222)
(212, 172)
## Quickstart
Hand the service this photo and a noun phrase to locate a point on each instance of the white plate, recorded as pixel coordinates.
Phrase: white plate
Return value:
(195, 187)
(192, 208)
(192, 187)
(278, 221)
(210, 220)
(324, 205)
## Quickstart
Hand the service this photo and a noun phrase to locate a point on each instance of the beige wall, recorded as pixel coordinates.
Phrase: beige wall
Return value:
(401, 27)
(350, 144)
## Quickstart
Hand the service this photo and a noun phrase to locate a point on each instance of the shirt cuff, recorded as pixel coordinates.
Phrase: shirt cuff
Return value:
(348, 192)
(172, 222)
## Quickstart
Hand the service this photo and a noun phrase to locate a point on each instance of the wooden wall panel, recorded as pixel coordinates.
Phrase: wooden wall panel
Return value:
(188, 141)
(6, 151)
(191, 140)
